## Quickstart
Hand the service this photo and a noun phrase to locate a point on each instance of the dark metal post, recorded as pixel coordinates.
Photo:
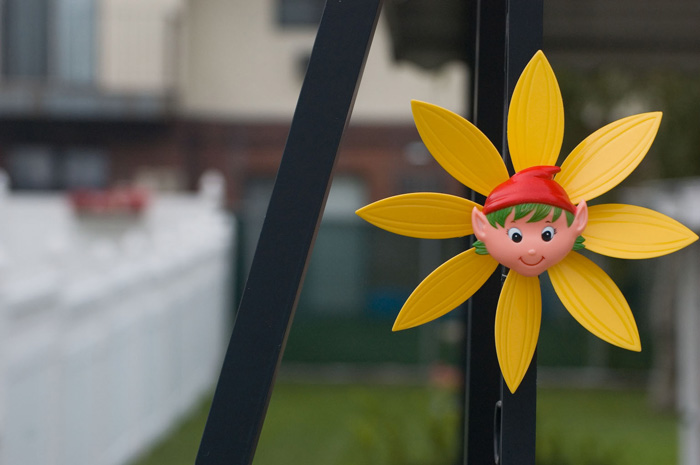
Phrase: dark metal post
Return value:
(523, 39)
(272, 290)
(482, 371)
(500, 426)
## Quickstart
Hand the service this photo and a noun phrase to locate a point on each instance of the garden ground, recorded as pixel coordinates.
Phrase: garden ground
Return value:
(334, 424)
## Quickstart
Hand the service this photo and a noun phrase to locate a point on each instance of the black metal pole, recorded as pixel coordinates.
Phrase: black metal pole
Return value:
(518, 421)
(500, 426)
(276, 275)
(482, 370)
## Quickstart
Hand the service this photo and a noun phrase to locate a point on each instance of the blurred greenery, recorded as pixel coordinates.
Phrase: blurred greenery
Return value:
(594, 99)
(391, 425)
(350, 339)
(600, 427)
(362, 339)
(563, 342)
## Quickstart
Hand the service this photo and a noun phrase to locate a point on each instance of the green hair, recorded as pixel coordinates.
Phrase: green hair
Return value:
(522, 210)
(541, 211)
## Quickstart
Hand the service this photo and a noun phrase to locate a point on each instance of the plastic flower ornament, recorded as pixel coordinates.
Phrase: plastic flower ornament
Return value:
(532, 222)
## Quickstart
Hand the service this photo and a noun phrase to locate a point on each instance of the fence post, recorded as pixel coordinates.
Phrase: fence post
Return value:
(482, 371)
(500, 426)
(523, 39)
(271, 293)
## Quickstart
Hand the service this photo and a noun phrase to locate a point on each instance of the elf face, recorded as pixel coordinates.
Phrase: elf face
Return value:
(530, 248)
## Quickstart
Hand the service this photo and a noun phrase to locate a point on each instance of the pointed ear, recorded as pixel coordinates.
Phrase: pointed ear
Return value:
(479, 224)
(580, 218)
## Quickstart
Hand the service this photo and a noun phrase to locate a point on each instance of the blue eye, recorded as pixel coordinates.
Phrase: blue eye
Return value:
(548, 233)
(515, 235)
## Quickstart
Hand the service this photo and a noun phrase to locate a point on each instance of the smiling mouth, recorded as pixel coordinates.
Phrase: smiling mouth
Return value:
(530, 264)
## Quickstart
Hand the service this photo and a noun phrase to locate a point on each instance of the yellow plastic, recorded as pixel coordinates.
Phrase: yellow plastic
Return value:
(536, 116)
(608, 156)
(426, 215)
(594, 301)
(627, 231)
(600, 162)
(518, 318)
(460, 147)
(445, 289)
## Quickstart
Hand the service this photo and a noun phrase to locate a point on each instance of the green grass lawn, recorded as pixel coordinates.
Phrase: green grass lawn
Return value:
(603, 427)
(391, 425)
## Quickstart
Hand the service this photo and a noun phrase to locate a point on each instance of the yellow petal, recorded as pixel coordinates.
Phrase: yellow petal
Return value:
(460, 147)
(446, 288)
(626, 231)
(425, 215)
(608, 156)
(518, 317)
(536, 116)
(594, 300)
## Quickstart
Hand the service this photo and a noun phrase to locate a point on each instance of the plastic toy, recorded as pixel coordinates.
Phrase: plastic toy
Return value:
(533, 221)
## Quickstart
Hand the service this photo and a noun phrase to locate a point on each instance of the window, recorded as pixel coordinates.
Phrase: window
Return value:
(31, 167)
(42, 167)
(75, 39)
(84, 168)
(300, 12)
(25, 38)
(336, 281)
(43, 39)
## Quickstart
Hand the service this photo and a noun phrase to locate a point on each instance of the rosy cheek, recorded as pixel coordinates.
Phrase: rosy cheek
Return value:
(503, 249)
(554, 254)
(557, 249)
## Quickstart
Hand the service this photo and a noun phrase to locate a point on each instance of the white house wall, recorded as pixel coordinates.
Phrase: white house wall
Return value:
(138, 45)
(239, 62)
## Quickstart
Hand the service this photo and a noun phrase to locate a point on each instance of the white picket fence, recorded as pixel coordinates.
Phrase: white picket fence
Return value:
(111, 327)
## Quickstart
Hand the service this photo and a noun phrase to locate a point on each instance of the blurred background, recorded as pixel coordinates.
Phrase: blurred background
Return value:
(139, 142)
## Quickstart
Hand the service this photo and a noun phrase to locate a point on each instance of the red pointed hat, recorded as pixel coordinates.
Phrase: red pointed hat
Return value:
(531, 185)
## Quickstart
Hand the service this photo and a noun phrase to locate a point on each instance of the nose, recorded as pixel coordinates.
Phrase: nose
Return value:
(532, 252)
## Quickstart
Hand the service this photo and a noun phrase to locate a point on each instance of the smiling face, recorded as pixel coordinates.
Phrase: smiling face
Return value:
(530, 248)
